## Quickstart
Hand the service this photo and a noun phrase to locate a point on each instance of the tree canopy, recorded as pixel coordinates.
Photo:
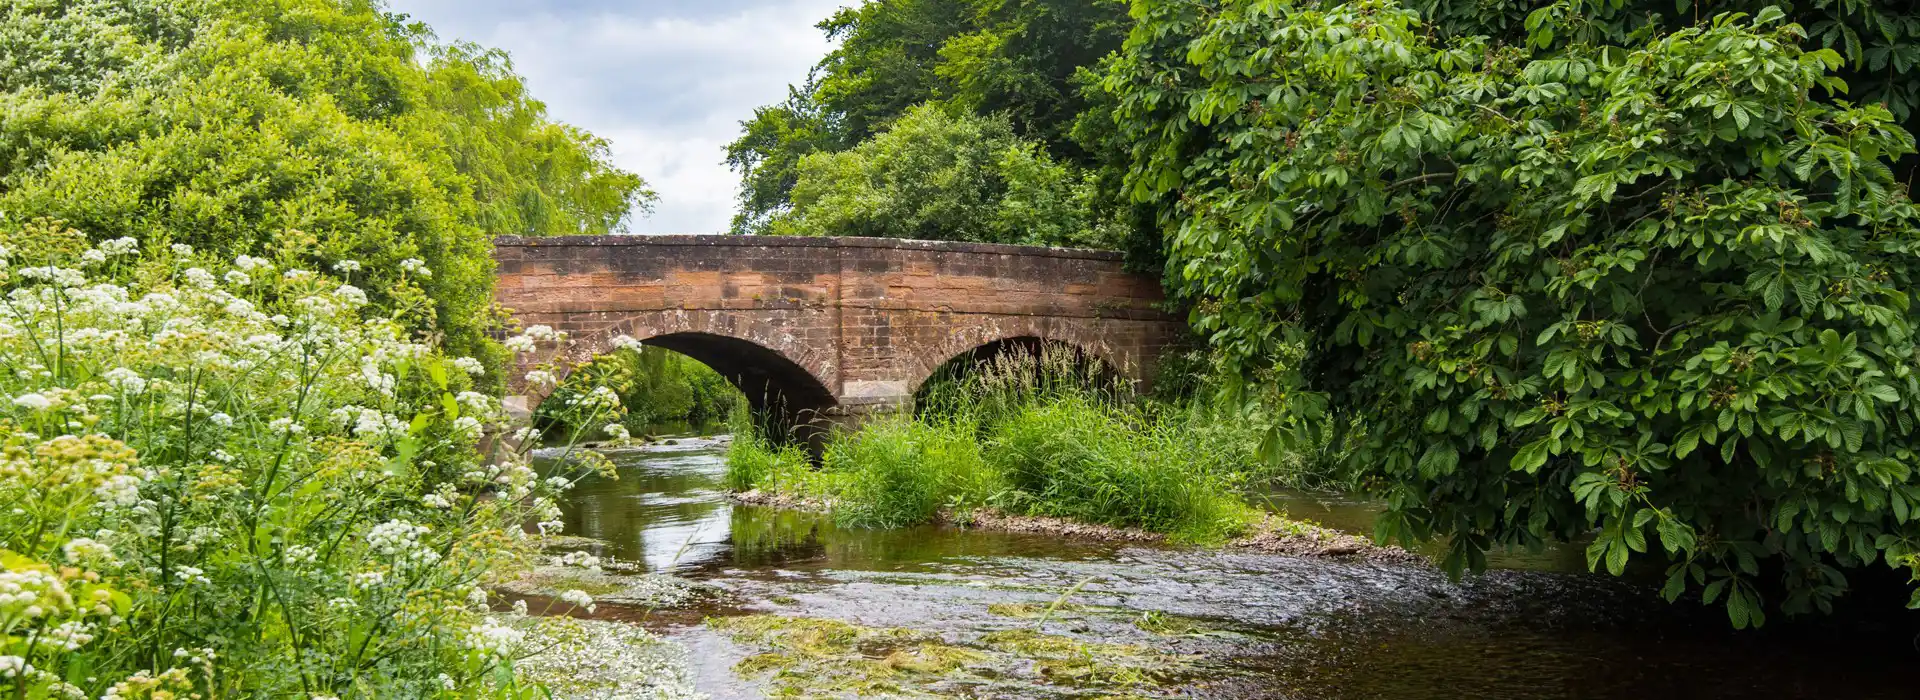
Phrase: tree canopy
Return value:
(306, 130)
(936, 176)
(1015, 60)
(1602, 268)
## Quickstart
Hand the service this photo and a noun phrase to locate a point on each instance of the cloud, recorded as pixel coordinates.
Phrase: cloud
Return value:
(665, 81)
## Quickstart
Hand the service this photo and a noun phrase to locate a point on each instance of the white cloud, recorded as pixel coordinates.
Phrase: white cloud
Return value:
(666, 85)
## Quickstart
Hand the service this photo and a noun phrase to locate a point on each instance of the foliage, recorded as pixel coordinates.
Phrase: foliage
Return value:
(934, 176)
(656, 387)
(301, 130)
(233, 480)
(1017, 60)
(1646, 285)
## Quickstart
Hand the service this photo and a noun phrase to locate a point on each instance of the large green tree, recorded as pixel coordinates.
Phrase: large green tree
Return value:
(1019, 60)
(308, 130)
(1604, 270)
(937, 176)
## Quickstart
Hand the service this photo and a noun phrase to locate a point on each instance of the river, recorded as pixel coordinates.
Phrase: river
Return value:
(1252, 626)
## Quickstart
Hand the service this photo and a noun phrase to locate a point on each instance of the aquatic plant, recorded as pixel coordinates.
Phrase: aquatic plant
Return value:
(228, 478)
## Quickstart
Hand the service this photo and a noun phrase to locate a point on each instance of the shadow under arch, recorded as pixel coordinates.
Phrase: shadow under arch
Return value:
(787, 401)
(1044, 363)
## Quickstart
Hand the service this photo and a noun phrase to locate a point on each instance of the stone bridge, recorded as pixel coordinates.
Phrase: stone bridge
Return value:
(829, 328)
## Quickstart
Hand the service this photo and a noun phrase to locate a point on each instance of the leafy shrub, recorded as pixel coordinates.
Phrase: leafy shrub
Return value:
(1650, 286)
(233, 480)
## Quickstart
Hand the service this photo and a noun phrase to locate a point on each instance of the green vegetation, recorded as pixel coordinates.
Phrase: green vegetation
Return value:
(814, 657)
(656, 387)
(312, 132)
(245, 259)
(1634, 270)
(208, 468)
(1024, 434)
(1002, 79)
(935, 176)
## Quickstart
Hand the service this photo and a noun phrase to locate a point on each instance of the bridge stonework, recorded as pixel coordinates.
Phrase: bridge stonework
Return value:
(838, 327)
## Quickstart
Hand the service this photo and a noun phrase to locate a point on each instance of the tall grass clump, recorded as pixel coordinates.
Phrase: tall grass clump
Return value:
(900, 471)
(1074, 457)
(236, 479)
(757, 462)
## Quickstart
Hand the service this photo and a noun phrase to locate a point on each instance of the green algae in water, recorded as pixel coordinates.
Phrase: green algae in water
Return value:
(816, 657)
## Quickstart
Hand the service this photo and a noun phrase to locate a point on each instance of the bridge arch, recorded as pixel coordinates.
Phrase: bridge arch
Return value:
(781, 380)
(978, 343)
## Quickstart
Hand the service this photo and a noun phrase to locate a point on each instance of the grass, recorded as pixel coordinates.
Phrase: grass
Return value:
(900, 471)
(754, 462)
(1029, 435)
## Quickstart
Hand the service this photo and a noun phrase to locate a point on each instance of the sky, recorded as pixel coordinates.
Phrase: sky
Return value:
(666, 82)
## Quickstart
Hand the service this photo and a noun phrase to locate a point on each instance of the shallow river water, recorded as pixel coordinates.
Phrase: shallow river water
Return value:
(1262, 626)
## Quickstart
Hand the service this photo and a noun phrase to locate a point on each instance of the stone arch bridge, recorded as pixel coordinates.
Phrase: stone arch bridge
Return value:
(828, 328)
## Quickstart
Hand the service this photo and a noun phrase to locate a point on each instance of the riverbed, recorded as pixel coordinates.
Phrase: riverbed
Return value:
(1205, 623)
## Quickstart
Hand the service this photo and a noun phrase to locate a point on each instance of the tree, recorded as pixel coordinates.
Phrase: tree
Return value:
(301, 130)
(1647, 286)
(1018, 59)
(935, 176)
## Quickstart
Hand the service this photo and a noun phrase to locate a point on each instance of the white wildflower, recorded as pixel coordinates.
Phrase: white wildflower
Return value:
(492, 638)
(121, 246)
(470, 366)
(199, 278)
(126, 380)
(351, 295)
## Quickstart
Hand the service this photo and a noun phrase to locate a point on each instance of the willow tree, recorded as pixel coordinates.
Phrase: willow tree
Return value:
(1584, 274)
